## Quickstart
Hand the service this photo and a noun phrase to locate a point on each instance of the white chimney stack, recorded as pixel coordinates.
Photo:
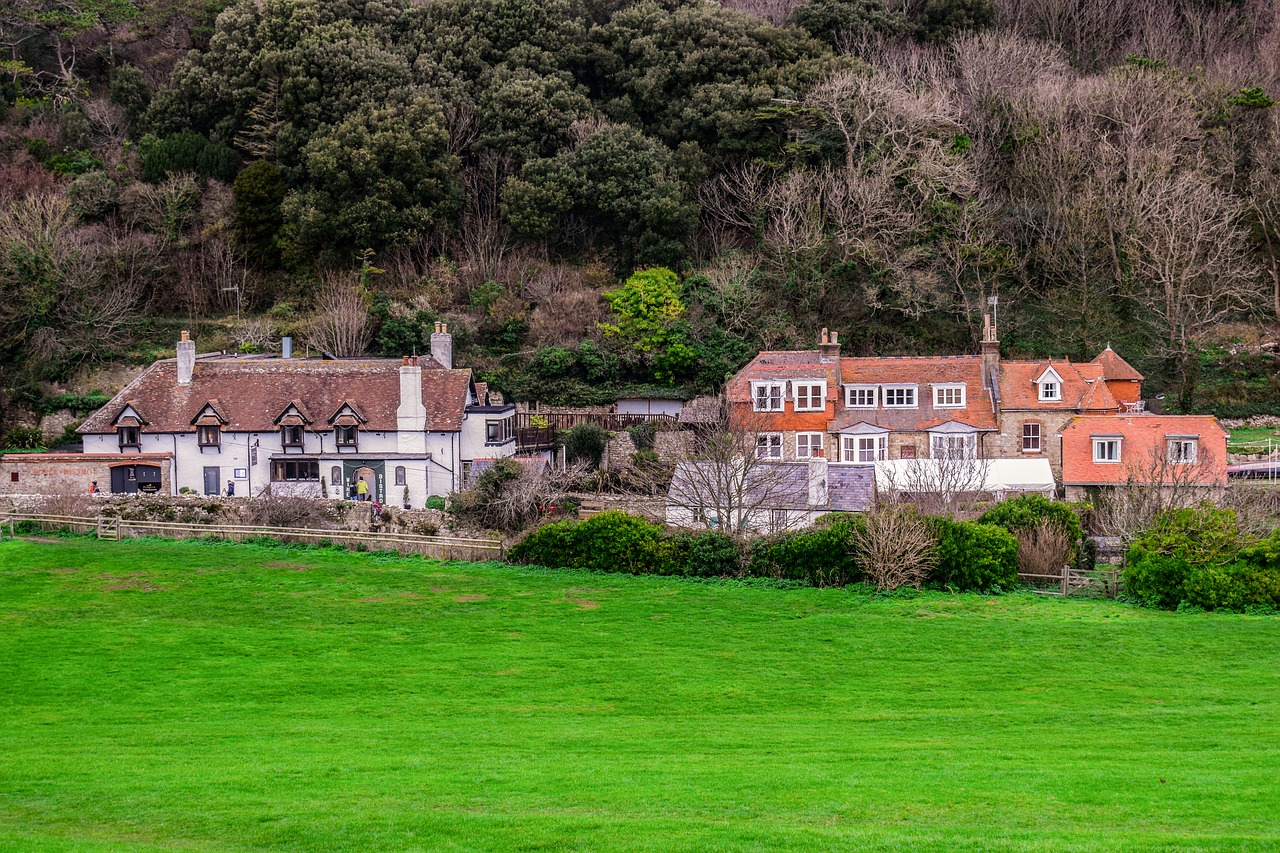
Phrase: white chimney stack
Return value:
(818, 494)
(442, 346)
(411, 416)
(186, 358)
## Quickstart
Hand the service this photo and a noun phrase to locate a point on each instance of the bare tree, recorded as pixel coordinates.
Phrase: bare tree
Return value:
(896, 546)
(1189, 259)
(727, 481)
(340, 324)
(946, 485)
(1155, 482)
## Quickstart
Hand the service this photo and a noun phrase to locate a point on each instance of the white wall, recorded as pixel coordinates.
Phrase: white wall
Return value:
(473, 436)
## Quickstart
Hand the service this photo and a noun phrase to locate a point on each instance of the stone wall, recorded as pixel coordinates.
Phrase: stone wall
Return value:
(670, 445)
(50, 474)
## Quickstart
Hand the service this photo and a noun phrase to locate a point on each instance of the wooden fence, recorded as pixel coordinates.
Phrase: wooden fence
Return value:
(111, 528)
(539, 431)
(1073, 581)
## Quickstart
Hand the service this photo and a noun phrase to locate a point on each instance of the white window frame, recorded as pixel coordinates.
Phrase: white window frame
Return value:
(806, 452)
(810, 384)
(944, 445)
(1181, 457)
(950, 386)
(1050, 391)
(850, 390)
(1039, 437)
(769, 396)
(866, 449)
(769, 442)
(1100, 441)
(911, 390)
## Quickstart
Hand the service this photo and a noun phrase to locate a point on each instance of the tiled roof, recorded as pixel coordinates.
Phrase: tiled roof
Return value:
(781, 365)
(253, 393)
(923, 372)
(1144, 444)
(1116, 368)
(1083, 386)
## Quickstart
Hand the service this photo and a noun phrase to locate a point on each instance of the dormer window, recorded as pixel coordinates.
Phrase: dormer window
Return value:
(949, 396)
(209, 436)
(1106, 448)
(899, 396)
(810, 396)
(1183, 449)
(346, 436)
(860, 396)
(767, 396)
(1049, 386)
(129, 437)
(292, 436)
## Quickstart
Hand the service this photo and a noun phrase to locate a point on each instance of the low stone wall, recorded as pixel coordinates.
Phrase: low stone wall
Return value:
(669, 444)
(56, 474)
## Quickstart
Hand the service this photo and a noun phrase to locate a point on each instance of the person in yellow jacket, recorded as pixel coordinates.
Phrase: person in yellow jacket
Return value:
(362, 490)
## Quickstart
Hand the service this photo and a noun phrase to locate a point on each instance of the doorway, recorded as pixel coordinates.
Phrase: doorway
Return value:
(369, 478)
(131, 479)
(212, 481)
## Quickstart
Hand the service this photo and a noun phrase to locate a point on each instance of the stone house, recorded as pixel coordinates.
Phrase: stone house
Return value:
(311, 427)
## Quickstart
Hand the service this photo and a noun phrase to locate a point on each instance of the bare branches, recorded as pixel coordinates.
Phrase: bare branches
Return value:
(341, 324)
(1154, 482)
(896, 547)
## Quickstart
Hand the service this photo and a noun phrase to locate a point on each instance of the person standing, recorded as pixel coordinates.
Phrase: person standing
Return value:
(362, 490)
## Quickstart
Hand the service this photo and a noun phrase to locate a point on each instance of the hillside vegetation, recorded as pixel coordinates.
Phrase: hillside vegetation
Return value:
(163, 696)
(350, 171)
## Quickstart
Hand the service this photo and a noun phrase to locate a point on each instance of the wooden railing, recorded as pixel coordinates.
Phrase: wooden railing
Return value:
(111, 528)
(1075, 581)
(537, 431)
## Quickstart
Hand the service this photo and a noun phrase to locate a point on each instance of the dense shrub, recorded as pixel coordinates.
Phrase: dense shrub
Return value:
(1025, 514)
(975, 556)
(710, 554)
(586, 443)
(823, 556)
(24, 438)
(1194, 557)
(608, 542)
(188, 152)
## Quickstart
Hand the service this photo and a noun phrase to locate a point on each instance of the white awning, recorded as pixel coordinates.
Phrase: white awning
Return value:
(997, 476)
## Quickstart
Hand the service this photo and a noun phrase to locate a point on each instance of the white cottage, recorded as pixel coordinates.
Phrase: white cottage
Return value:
(308, 427)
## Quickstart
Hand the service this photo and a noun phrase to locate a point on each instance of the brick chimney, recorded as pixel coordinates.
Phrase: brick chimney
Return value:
(442, 346)
(829, 350)
(186, 358)
(990, 352)
(818, 494)
(411, 416)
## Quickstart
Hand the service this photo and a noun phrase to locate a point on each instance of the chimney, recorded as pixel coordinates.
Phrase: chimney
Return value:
(990, 352)
(186, 358)
(442, 346)
(818, 495)
(411, 416)
(286, 347)
(829, 350)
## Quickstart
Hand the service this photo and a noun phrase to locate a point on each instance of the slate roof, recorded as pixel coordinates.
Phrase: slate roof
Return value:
(850, 488)
(1084, 386)
(252, 393)
(1144, 438)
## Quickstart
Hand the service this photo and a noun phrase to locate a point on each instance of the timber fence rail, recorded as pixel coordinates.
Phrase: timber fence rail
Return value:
(113, 528)
(1072, 581)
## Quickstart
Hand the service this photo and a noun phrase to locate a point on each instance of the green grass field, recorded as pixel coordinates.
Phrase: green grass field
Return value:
(187, 696)
(1250, 440)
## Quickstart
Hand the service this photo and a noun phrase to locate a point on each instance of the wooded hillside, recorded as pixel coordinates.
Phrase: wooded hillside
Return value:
(350, 171)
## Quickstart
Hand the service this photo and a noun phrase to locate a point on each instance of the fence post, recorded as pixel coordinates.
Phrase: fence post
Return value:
(1066, 579)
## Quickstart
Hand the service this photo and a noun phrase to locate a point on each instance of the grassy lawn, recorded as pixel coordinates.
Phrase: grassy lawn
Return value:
(1246, 440)
(186, 696)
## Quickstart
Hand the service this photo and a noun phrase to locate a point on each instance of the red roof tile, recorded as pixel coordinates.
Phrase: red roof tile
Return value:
(252, 393)
(1116, 368)
(1083, 387)
(1144, 443)
(923, 372)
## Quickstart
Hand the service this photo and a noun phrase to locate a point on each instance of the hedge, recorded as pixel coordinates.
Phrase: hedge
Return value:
(975, 556)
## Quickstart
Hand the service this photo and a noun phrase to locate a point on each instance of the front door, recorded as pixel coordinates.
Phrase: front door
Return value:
(212, 481)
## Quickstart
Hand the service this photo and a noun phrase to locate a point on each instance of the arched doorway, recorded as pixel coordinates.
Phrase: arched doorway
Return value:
(370, 479)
